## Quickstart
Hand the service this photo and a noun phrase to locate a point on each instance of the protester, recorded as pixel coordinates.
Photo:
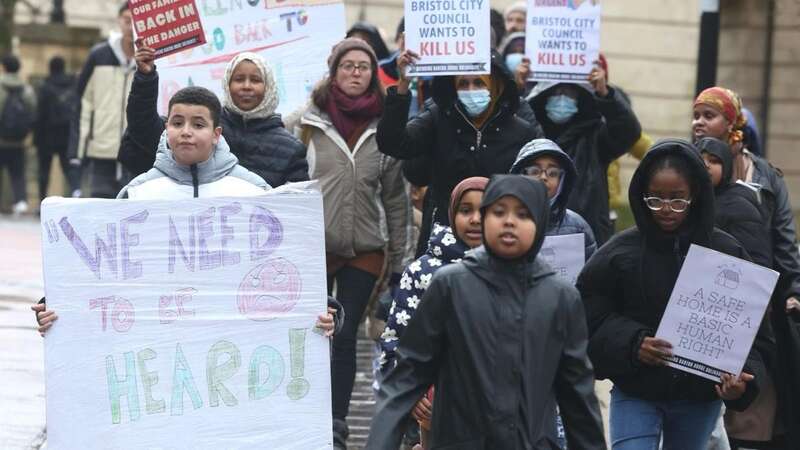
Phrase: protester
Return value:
(543, 159)
(99, 121)
(369, 34)
(594, 126)
(470, 129)
(515, 16)
(194, 161)
(501, 337)
(56, 106)
(17, 117)
(366, 203)
(718, 114)
(446, 246)
(625, 287)
(249, 122)
(512, 49)
(736, 204)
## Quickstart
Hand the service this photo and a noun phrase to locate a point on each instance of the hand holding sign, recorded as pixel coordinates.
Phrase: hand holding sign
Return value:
(145, 57)
(597, 78)
(406, 58)
(654, 350)
(733, 387)
(44, 317)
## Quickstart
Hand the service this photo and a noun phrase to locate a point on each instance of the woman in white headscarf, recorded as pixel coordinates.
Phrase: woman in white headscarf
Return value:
(253, 130)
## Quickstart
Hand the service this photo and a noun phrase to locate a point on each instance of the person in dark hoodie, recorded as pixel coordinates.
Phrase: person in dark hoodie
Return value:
(57, 102)
(501, 337)
(470, 129)
(252, 128)
(543, 159)
(594, 126)
(625, 287)
(736, 203)
(369, 33)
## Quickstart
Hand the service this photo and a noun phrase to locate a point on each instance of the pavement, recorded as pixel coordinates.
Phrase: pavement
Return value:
(22, 415)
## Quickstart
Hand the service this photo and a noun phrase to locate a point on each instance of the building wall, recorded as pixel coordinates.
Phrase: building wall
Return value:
(651, 47)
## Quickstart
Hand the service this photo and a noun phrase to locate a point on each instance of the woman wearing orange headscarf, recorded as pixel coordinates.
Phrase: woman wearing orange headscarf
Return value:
(718, 114)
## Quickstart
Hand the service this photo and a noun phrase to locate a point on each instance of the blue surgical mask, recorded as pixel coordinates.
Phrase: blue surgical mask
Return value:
(475, 102)
(513, 60)
(561, 108)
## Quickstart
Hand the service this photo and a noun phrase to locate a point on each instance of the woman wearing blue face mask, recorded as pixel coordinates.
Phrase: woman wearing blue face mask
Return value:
(472, 128)
(594, 125)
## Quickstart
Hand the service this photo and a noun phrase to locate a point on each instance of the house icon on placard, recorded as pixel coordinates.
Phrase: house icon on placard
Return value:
(728, 277)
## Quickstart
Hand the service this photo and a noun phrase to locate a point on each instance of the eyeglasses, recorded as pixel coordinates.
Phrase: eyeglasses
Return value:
(350, 67)
(677, 205)
(537, 172)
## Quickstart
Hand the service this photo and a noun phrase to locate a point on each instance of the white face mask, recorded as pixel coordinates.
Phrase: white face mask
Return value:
(560, 108)
(475, 102)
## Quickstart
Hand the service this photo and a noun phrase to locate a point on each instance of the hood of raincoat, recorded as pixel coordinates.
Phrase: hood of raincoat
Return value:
(542, 147)
(532, 194)
(700, 222)
(269, 104)
(722, 151)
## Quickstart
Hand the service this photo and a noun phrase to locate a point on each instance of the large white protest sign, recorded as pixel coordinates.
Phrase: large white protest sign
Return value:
(565, 254)
(451, 37)
(186, 325)
(562, 39)
(295, 37)
(714, 312)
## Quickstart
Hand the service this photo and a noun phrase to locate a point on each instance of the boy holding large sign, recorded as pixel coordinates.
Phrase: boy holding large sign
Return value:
(174, 293)
(626, 287)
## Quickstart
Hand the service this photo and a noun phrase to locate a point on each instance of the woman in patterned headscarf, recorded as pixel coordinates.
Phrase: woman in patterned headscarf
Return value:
(718, 114)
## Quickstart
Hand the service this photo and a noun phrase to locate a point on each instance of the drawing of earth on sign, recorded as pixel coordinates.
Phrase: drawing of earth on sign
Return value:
(269, 290)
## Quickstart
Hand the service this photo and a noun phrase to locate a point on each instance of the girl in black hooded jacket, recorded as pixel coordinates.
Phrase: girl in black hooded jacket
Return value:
(625, 288)
(737, 208)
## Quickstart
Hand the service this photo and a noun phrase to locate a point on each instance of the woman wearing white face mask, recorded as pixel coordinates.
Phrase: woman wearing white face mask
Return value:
(594, 125)
(471, 129)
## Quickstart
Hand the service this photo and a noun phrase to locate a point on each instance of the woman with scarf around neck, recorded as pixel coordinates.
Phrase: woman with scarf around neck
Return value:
(501, 337)
(471, 129)
(249, 122)
(625, 287)
(718, 114)
(367, 208)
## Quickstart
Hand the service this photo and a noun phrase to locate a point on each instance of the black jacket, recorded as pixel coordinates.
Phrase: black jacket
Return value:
(627, 283)
(602, 131)
(737, 206)
(51, 134)
(454, 148)
(263, 146)
(501, 340)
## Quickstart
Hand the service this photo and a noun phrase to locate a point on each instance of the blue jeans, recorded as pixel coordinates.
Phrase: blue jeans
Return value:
(638, 424)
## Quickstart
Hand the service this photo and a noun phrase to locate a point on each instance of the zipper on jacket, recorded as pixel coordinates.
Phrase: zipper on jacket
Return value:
(478, 132)
(195, 184)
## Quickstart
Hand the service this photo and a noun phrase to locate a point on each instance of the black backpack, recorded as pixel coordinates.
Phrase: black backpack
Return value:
(16, 118)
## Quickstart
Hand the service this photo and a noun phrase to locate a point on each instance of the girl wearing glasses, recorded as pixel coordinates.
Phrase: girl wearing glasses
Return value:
(625, 287)
(543, 159)
(367, 208)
